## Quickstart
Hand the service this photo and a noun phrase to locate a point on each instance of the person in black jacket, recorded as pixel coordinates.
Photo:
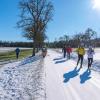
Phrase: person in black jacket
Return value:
(64, 51)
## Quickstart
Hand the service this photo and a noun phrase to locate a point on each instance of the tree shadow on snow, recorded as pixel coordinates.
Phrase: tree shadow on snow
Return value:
(29, 60)
(85, 76)
(71, 74)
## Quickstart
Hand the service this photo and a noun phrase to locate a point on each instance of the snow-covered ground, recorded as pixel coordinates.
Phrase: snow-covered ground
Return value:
(6, 49)
(51, 78)
(65, 81)
(23, 80)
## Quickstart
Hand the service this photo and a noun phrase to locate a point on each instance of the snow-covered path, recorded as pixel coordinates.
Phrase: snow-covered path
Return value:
(66, 82)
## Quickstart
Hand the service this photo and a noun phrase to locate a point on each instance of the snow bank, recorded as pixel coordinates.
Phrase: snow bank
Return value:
(23, 80)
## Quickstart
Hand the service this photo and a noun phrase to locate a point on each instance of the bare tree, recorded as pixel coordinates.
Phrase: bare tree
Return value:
(89, 36)
(34, 17)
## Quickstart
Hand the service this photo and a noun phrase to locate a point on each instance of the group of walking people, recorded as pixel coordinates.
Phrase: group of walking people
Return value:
(80, 52)
(67, 50)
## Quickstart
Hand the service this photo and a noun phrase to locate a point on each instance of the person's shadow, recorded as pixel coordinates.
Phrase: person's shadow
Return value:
(71, 74)
(85, 76)
(60, 61)
(59, 58)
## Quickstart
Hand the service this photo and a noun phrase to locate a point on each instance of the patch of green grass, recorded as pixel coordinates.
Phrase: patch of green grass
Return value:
(12, 55)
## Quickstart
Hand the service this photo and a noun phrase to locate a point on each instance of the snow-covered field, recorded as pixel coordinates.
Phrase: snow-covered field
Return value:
(51, 78)
(6, 49)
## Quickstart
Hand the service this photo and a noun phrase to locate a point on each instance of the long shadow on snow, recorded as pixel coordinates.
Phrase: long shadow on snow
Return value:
(61, 61)
(85, 76)
(71, 74)
(59, 58)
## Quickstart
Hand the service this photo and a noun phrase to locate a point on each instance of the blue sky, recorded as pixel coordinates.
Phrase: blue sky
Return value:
(70, 17)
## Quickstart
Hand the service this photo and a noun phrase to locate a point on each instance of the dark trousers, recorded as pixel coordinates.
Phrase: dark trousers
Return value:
(90, 61)
(64, 54)
(17, 55)
(80, 57)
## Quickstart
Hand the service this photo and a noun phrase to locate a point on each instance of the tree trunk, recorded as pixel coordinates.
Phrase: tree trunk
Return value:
(33, 53)
(37, 47)
(34, 46)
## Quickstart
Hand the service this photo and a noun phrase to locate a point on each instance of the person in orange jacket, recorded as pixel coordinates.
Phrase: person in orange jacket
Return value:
(69, 51)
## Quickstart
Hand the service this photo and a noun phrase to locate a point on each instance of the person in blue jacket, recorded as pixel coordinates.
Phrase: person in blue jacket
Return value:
(17, 52)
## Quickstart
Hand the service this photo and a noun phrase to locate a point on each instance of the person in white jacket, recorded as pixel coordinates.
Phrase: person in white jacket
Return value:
(90, 54)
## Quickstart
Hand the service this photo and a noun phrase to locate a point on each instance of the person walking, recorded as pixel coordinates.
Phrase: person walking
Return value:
(17, 52)
(69, 50)
(80, 52)
(44, 52)
(90, 54)
(64, 51)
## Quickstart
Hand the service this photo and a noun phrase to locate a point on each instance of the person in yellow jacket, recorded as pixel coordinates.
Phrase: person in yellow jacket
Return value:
(80, 51)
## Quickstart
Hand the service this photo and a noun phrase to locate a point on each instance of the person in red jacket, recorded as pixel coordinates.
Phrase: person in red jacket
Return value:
(69, 51)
